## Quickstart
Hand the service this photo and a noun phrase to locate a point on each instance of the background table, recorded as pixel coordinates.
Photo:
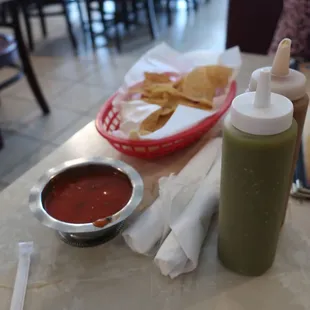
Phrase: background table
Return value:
(111, 276)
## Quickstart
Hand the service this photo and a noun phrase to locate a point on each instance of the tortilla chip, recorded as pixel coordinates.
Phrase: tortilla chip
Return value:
(162, 120)
(155, 121)
(196, 86)
(196, 89)
(192, 104)
(219, 75)
(178, 84)
(134, 135)
(167, 110)
(157, 89)
(158, 78)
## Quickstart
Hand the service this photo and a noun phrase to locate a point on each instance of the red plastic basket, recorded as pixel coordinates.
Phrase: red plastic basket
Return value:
(108, 120)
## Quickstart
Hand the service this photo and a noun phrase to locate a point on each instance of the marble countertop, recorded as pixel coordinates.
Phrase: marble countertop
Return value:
(111, 276)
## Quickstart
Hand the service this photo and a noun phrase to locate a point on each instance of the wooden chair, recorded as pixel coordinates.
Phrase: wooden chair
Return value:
(11, 50)
(8, 59)
(126, 12)
(37, 9)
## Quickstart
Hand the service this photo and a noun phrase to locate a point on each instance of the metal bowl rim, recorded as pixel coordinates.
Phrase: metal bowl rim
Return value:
(36, 206)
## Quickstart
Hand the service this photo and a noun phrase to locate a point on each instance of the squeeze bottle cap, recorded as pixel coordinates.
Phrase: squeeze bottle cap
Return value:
(262, 112)
(284, 81)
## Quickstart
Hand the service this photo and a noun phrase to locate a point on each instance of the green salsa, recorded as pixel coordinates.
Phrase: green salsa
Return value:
(254, 182)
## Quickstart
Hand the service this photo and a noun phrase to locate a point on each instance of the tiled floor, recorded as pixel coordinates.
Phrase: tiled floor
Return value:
(76, 87)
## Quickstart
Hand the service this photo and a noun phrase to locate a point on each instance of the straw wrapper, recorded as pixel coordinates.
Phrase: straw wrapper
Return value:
(180, 251)
(25, 250)
(175, 193)
(162, 59)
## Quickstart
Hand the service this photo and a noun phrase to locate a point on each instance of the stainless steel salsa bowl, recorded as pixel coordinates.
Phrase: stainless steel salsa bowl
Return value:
(85, 232)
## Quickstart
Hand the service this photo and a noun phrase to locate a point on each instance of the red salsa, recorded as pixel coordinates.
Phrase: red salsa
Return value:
(86, 194)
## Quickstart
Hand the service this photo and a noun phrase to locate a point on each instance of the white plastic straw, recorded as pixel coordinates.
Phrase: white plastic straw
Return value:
(19, 292)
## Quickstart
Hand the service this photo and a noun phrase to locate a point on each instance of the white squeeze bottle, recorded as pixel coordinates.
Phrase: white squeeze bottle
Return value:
(291, 84)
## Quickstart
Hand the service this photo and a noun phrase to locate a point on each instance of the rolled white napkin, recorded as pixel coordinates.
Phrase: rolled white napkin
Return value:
(180, 251)
(175, 192)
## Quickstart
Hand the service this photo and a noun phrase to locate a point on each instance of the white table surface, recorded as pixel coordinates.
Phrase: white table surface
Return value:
(111, 276)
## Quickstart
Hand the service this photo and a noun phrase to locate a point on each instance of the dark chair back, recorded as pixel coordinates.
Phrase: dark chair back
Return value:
(252, 23)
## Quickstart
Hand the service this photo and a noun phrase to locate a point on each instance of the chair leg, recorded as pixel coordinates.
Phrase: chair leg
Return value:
(42, 19)
(157, 5)
(151, 18)
(169, 12)
(69, 25)
(4, 16)
(117, 36)
(82, 21)
(28, 27)
(135, 11)
(24, 56)
(102, 14)
(1, 140)
(81, 17)
(125, 13)
(90, 21)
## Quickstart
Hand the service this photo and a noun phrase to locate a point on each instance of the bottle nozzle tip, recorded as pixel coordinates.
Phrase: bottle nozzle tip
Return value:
(281, 62)
(262, 96)
(285, 43)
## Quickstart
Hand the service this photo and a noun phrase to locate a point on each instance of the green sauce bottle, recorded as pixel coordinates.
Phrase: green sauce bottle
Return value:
(259, 137)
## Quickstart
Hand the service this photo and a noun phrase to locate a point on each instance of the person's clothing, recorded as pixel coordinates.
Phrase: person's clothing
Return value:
(294, 23)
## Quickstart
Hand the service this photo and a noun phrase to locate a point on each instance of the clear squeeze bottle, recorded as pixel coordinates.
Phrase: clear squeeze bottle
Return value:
(258, 144)
(291, 84)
